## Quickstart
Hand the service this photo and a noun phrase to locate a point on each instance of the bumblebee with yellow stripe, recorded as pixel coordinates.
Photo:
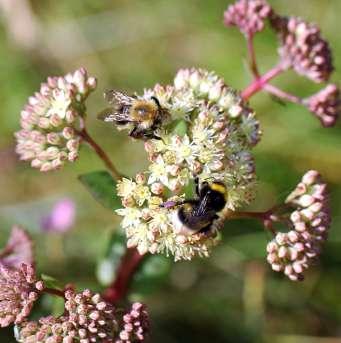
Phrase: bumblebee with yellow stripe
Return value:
(144, 116)
(198, 215)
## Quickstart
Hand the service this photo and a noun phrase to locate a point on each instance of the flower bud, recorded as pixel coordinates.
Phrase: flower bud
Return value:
(248, 15)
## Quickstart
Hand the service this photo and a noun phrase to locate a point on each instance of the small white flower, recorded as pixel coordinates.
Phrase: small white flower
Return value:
(141, 194)
(59, 104)
(160, 221)
(125, 188)
(158, 171)
(184, 149)
(131, 216)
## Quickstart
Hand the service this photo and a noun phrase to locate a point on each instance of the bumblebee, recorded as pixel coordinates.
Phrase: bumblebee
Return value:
(199, 215)
(145, 116)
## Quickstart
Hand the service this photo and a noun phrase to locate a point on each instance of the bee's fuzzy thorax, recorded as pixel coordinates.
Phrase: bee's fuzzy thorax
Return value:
(219, 187)
(143, 110)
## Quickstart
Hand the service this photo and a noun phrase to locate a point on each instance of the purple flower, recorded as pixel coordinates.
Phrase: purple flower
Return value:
(61, 218)
(302, 48)
(247, 15)
(18, 250)
(325, 105)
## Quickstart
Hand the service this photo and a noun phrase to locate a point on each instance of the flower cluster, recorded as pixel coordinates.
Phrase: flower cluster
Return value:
(302, 48)
(293, 252)
(214, 143)
(247, 15)
(19, 289)
(18, 250)
(87, 318)
(149, 226)
(47, 137)
(135, 324)
(326, 104)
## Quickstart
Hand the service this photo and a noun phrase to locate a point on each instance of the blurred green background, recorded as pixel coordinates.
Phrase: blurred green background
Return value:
(132, 44)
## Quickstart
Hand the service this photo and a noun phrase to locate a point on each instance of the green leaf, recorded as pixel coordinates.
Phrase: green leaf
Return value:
(180, 128)
(102, 187)
(50, 281)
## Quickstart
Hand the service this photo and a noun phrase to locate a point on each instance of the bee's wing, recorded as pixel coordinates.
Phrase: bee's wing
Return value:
(116, 97)
(119, 112)
(107, 115)
(202, 207)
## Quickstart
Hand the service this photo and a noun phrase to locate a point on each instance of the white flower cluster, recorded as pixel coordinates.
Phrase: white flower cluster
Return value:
(209, 136)
(149, 227)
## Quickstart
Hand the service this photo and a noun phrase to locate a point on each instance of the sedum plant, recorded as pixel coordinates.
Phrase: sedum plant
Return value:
(198, 133)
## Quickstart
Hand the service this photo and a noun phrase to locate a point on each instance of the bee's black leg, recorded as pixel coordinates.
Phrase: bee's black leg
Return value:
(151, 136)
(134, 133)
(171, 204)
(156, 100)
(196, 181)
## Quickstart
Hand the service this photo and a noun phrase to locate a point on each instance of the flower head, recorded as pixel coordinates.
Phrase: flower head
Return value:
(248, 15)
(293, 252)
(326, 105)
(302, 48)
(61, 218)
(209, 136)
(87, 318)
(18, 249)
(47, 137)
(19, 289)
(93, 318)
(135, 324)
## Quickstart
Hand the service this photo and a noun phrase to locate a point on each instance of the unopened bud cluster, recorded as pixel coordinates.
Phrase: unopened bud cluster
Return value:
(215, 144)
(293, 252)
(135, 325)
(47, 138)
(87, 318)
(302, 48)
(326, 104)
(248, 16)
(19, 290)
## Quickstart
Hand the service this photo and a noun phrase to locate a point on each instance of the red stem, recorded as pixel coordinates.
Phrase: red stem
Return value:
(282, 94)
(259, 83)
(257, 215)
(120, 286)
(83, 133)
(252, 55)
(54, 291)
(267, 218)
